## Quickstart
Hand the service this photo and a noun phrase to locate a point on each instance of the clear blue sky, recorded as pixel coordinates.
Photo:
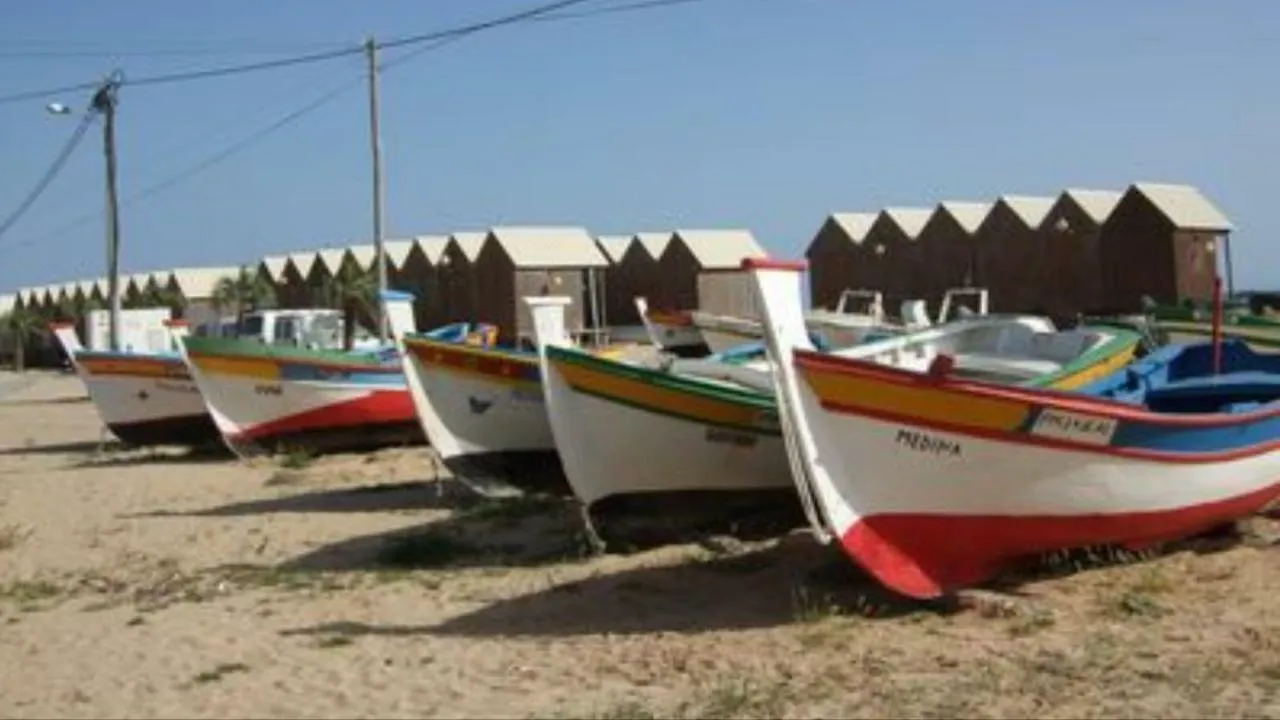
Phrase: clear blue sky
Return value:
(765, 114)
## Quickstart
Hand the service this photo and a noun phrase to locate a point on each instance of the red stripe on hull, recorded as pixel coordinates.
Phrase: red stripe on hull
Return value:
(380, 407)
(925, 556)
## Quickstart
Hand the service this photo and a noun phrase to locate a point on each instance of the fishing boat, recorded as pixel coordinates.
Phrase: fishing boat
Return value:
(268, 397)
(933, 481)
(672, 330)
(697, 426)
(142, 398)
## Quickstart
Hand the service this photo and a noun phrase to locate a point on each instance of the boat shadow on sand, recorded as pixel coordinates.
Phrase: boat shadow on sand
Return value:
(791, 580)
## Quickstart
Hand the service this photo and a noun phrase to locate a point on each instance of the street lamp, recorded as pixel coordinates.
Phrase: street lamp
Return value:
(104, 103)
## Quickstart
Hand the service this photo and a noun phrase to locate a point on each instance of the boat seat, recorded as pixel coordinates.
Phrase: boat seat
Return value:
(1004, 364)
(1216, 393)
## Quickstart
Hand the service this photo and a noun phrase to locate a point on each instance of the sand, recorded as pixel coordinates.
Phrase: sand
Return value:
(148, 584)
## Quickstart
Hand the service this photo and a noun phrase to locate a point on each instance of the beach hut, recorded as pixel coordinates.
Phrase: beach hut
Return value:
(893, 239)
(839, 259)
(195, 288)
(271, 270)
(1009, 258)
(292, 291)
(1069, 235)
(328, 261)
(618, 281)
(517, 262)
(417, 272)
(946, 245)
(1162, 241)
(702, 270)
(456, 275)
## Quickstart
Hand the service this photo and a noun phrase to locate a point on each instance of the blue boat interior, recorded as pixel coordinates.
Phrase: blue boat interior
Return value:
(1180, 379)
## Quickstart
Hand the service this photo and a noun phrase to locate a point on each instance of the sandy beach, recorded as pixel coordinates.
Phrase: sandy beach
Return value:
(153, 584)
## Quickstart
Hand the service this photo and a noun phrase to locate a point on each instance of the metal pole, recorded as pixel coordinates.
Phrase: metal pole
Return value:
(1225, 244)
(371, 50)
(104, 101)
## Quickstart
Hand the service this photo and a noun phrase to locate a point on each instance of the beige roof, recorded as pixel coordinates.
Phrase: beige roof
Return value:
(69, 289)
(275, 266)
(615, 246)
(86, 287)
(139, 281)
(331, 258)
(469, 243)
(1097, 204)
(7, 302)
(1031, 210)
(910, 220)
(199, 283)
(654, 242)
(397, 251)
(303, 261)
(364, 255)
(1185, 207)
(433, 246)
(969, 214)
(549, 247)
(720, 249)
(855, 224)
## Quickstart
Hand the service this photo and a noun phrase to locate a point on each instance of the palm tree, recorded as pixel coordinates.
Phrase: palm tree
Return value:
(169, 297)
(20, 324)
(353, 291)
(244, 291)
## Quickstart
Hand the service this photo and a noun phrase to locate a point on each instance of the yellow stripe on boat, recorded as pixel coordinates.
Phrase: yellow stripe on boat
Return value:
(655, 397)
(256, 368)
(1096, 371)
(915, 400)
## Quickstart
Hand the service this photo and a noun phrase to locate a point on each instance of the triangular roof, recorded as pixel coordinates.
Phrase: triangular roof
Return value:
(275, 265)
(855, 224)
(432, 246)
(199, 283)
(1097, 204)
(615, 246)
(140, 282)
(909, 220)
(653, 242)
(968, 214)
(549, 247)
(469, 243)
(7, 302)
(331, 258)
(364, 255)
(303, 261)
(397, 252)
(1031, 210)
(1184, 206)
(720, 249)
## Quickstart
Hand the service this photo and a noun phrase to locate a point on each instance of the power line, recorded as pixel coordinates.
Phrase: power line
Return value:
(52, 172)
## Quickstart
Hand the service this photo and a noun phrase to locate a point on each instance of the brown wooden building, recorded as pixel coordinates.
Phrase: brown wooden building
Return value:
(1161, 241)
(293, 291)
(1011, 261)
(947, 252)
(619, 308)
(702, 270)
(839, 259)
(1069, 235)
(458, 288)
(893, 237)
(414, 270)
(518, 262)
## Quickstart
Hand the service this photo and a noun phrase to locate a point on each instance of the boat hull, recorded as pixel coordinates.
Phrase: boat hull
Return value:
(146, 400)
(931, 489)
(624, 430)
(483, 412)
(261, 404)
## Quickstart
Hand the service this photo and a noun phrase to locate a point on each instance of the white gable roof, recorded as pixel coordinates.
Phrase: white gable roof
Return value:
(910, 220)
(1097, 204)
(363, 255)
(1185, 207)
(549, 247)
(969, 214)
(86, 287)
(615, 246)
(397, 252)
(303, 262)
(654, 242)
(433, 246)
(469, 243)
(331, 259)
(854, 224)
(7, 302)
(199, 283)
(275, 266)
(1030, 210)
(720, 249)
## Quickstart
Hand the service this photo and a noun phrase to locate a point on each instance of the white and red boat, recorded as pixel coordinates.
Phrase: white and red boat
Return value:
(142, 398)
(932, 481)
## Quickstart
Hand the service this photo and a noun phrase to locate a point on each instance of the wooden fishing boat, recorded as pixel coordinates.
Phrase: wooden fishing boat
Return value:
(266, 398)
(623, 428)
(932, 481)
(142, 398)
(672, 330)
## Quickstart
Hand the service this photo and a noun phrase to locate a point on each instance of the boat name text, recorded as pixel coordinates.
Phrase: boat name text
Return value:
(924, 443)
(1074, 427)
(268, 390)
(740, 439)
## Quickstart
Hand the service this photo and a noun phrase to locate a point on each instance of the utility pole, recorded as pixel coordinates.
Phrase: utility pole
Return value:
(104, 102)
(371, 51)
